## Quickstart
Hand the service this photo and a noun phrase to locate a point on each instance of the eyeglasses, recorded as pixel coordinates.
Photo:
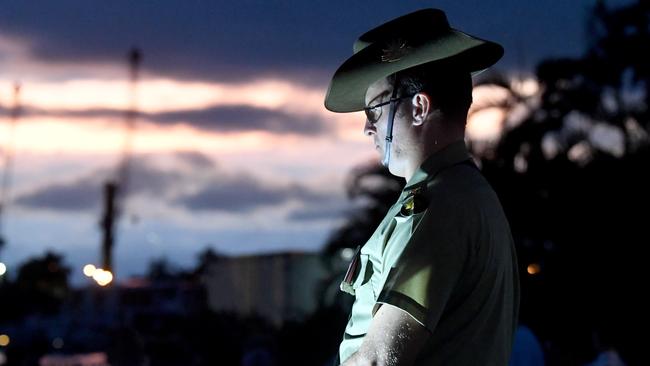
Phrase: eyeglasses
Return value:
(373, 112)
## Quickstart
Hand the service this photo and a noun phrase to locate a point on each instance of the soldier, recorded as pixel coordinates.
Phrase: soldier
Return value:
(437, 283)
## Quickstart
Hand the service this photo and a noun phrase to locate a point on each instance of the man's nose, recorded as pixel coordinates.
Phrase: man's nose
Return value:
(369, 128)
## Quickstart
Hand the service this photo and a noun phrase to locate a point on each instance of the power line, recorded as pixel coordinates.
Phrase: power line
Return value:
(7, 173)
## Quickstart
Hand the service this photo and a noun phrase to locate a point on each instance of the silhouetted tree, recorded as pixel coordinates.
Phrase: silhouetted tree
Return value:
(161, 270)
(206, 258)
(570, 178)
(41, 286)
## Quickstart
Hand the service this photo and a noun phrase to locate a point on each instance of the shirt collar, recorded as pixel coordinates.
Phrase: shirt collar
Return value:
(454, 153)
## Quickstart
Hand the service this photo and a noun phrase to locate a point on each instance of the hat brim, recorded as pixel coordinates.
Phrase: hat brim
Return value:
(347, 90)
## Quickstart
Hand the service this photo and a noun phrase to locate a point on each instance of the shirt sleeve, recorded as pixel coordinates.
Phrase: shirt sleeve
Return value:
(422, 278)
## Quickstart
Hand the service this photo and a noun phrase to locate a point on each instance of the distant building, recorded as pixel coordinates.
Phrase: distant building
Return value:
(277, 287)
(136, 321)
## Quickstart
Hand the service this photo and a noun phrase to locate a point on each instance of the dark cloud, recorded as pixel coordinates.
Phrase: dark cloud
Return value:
(307, 195)
(244, 193)
(243, 118)
(239, 40)
(80, 195)
(85, 113)
(318, 213)
(147, 179)
(86, 192)
(195, 159)
(217, 118)
(220, 191)
(223, 41)
(239, 194)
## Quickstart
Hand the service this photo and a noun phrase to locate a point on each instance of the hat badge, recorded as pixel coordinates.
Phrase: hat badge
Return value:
(394, 50)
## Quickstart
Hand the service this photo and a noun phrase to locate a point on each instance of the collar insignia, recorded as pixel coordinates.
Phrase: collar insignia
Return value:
(415, 202)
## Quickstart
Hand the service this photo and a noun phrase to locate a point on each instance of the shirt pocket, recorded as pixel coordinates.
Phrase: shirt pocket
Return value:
(364, 299)
(404, 228)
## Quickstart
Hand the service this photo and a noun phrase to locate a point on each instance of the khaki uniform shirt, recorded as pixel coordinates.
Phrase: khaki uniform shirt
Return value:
(445, 255)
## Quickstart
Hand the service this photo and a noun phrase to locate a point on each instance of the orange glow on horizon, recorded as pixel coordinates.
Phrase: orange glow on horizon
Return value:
(55, 135)
(163, 95)
(106, 134)
(46, 134)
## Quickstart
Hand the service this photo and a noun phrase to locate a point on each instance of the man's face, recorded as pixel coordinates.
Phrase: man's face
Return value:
(378, 92)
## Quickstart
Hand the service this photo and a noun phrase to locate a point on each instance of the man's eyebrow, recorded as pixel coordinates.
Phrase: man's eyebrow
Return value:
(375, 98)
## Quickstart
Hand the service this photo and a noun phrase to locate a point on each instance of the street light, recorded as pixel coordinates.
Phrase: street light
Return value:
(102, 277)
(89, 270)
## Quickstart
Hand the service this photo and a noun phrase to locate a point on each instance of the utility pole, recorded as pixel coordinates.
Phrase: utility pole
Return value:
(108, 224)
(115, 191)
(134, 58)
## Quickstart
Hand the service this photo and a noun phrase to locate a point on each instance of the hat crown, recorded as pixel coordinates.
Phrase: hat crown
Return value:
(415, 39)
(425, 23)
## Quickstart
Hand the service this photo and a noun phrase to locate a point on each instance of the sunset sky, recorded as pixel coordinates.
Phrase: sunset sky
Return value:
(233, 148)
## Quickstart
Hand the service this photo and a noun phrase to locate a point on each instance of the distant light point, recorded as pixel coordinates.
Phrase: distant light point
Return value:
(347, 254)
(102, 277)
(89, 270)
(534, 269)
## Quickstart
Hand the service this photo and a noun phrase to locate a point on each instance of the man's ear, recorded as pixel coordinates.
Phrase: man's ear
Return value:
(421, 107)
